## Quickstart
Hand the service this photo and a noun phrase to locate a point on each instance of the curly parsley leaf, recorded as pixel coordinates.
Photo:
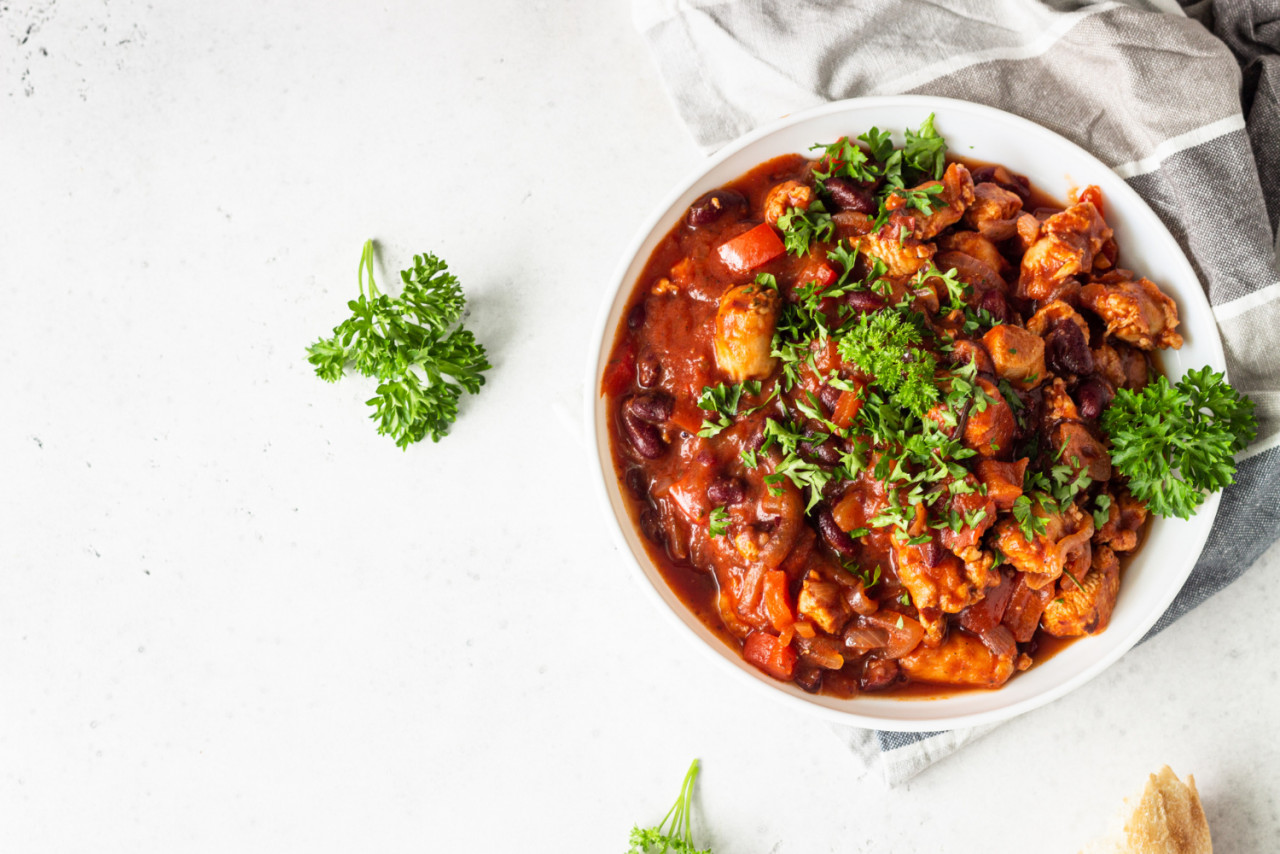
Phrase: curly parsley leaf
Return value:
(414, 345)
(678, 837)
(886, 344)
(1174, 443)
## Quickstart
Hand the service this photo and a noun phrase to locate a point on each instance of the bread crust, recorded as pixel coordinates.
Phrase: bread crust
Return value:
(1169, 819)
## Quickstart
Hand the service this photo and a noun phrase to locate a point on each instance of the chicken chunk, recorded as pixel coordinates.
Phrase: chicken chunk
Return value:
(962, 659)
(1043, 557)
(1065, 247)
(788, 194)
(1018, 354)
(1078, 448)
(1085, 608)
(976, 246)
(822, 601)
(970, 512)
(745, 323)
(903, 255)
(947, 206)
(1138, 313)
(1125, 517)
(1051, 313)
(994, 211)
(990, 426)
(1058, 403)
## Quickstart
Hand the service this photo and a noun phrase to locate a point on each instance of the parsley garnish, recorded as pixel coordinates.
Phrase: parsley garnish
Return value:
(677, 838)
(718, 522)
(887, 345)
(1103, 511)
(1176, 442)
(413, 344)
(800, 227)
(842, 158)
(1027, 520)
(722, 401)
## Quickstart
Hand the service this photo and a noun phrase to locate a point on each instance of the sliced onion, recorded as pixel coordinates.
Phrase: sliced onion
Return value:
(865, 638)
(905, 633)
(1000, 641)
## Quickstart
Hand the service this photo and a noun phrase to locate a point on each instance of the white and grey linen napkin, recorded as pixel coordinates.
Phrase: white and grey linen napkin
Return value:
(1184, 104)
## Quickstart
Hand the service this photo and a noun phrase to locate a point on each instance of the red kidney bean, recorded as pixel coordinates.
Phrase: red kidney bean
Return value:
(726, 490)
(830, 396)
(644, 437)
(652, 406)
(825, 452)
(637, 483)
(651, 526)
(930, 553)
(1093, 396)
(808, 677)
(996, 305)
(879, 673)
(635, 317)
(864, 302)
(1002, 177)
(648, 370)
(849, 196)
(709, 207)
(832, 534)
(1067, 351)
(1029, 416)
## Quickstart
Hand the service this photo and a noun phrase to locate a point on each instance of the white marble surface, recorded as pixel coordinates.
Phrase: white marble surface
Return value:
(235, 619)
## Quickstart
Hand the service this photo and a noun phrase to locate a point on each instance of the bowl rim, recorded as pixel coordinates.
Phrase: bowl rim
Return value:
(597, 446)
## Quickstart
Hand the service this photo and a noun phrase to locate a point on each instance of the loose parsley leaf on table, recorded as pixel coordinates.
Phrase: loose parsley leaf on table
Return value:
(414, 345)
(1175, 442)
(679, 837)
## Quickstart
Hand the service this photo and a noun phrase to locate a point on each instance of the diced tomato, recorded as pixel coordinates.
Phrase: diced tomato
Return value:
(687, 416)
(620, 372)
(776, 605)
(1003, 481)
(818, 271)
(770, 655)
(847, 409)
(751, 249)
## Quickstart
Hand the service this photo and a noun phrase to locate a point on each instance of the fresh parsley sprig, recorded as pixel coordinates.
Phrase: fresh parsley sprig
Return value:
(722, 402)
(887, 345)
(1175, 442)
(802, 226)
(413, 344)
(678, 837)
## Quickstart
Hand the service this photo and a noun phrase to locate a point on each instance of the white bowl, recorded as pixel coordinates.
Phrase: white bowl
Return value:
(1054, 165)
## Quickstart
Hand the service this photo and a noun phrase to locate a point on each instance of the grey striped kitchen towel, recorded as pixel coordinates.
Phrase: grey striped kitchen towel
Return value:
(1182, 103)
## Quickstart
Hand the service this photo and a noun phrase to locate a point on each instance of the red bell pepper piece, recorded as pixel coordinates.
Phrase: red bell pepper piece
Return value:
(751, 249)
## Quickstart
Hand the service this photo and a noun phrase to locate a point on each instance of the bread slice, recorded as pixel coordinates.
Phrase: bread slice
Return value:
(1169, 818)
